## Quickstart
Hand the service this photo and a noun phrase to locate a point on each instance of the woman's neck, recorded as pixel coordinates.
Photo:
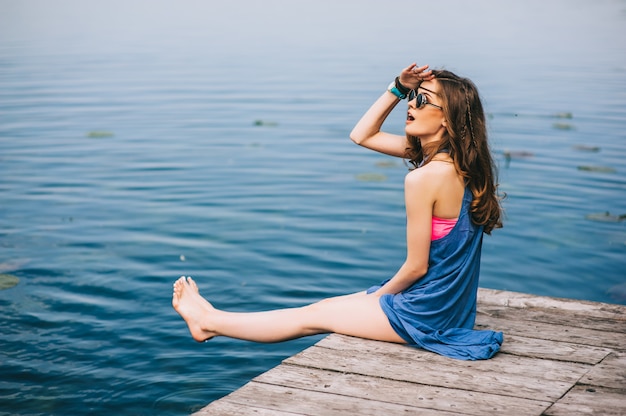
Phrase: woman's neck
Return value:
(430, 140)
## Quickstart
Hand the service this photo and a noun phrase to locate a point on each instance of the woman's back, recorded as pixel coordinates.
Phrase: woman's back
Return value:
(449, 186)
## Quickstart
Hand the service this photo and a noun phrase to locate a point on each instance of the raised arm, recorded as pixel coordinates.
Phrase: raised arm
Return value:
(367, 131)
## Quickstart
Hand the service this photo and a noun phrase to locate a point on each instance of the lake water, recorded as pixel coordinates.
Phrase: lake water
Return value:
(141, 141)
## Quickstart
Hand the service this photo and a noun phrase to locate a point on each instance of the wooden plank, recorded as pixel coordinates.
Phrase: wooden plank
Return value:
(551, 316)
(312, 403)
(553, 350)
(504, 374)
(554, 332)
(609, 373)
(402, 354)
(584, 400)
(392, 391)
(224, 407)
(560, 305)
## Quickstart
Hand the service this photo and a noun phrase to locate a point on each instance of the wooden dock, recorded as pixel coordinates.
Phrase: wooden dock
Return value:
(559, 357)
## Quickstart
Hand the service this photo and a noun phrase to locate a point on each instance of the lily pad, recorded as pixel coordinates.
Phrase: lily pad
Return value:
(7, 281)
(99, 134)
(563, 126)
(565, 114)
(386, 164)
(265, 123)
(585, 148)
(605, 217)
(371, 177)
(600, 169)
(517, 154)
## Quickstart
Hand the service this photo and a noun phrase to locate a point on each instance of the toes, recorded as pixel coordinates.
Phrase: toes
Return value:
(178, 285)
(192, 283)
(184, 283)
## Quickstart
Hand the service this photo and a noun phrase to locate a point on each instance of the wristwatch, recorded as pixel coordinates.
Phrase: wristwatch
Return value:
(392, 88)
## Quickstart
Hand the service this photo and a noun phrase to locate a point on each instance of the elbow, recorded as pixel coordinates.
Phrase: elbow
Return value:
(356, 138)
(360, 135)
(416, 271)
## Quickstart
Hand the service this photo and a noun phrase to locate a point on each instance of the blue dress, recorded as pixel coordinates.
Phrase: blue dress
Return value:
(437, 312)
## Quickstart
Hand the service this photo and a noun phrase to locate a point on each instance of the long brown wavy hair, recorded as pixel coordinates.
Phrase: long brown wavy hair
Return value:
(466, 142)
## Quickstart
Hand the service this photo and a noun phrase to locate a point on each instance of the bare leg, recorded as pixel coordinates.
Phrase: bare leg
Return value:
(358, 315)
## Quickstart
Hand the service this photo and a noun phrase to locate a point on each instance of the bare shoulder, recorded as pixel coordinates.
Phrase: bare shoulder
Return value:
(422, 183)
(439, 185)
(434, 173)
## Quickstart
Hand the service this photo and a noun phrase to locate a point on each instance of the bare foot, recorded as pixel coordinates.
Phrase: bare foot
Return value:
(193, 308)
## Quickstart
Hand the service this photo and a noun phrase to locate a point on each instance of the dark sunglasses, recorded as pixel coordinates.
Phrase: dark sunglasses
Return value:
(421, 100)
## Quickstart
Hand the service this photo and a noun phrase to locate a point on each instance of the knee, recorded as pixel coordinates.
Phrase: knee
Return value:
(317, 317)
(315, 308)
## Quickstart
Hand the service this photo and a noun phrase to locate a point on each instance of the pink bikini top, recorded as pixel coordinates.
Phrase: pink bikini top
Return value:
(441, 227)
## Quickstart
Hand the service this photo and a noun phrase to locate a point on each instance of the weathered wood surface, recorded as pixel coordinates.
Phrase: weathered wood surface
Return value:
(559, 357)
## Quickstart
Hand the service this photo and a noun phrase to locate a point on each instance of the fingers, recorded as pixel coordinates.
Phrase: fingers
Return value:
(419, 69)
(421, 73)
(410, 67)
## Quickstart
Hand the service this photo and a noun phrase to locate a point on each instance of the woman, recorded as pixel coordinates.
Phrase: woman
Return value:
(450, 202)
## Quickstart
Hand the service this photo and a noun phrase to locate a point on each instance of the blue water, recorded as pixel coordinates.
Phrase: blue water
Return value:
(141, 141)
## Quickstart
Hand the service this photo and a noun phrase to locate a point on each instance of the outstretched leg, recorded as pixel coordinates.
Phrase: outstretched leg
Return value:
(358, 315)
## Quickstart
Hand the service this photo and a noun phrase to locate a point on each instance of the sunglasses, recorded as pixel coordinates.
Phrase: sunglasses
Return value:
(420, 100)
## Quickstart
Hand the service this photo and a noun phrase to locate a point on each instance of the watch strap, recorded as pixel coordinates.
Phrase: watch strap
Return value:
(393, 88)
